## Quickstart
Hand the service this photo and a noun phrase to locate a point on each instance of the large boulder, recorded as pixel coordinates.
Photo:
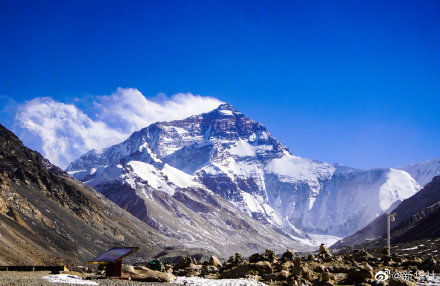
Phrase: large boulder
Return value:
(263, 267)
(254, 258)
(145, 274)
(287, 256)
(128, 269)
(296, 269)
(214, 261)
(324, 250)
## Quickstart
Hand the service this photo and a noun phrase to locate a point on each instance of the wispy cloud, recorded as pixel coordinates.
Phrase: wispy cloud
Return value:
(62, 132)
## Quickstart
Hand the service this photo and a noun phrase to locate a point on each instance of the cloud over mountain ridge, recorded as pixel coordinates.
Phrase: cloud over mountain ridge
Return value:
(64, 131)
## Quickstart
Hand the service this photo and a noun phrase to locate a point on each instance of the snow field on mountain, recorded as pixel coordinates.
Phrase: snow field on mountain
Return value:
(392, 190)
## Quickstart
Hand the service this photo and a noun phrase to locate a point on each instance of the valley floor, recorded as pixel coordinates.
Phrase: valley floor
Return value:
(23, 278)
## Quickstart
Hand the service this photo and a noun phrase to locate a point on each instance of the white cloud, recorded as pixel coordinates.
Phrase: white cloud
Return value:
(62, 132)
(127, 109)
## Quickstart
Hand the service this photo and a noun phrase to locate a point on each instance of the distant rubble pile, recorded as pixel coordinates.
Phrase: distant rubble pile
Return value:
(355, 267)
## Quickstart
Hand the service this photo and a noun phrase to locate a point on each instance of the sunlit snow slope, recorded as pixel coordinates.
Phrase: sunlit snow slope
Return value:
(424, 172)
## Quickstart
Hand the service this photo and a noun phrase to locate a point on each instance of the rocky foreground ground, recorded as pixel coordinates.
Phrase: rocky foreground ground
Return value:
(409, 264)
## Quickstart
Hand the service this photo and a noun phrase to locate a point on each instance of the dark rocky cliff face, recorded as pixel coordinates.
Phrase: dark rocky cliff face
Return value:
(47, 217)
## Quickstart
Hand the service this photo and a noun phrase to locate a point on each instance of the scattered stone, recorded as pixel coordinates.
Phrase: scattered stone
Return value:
(320, 269)
(325, 277)
(359, 275)
(277, 276)
(306, 273)
(296, 270)
(271, 257)
(286, 265)
(193, 270)
(257, 257)
(209, 269)
(311, 257)
(367, 267)
(183, 263)
(401, 282)
(239, 271)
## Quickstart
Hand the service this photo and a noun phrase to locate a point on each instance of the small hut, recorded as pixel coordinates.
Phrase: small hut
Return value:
(112, 259)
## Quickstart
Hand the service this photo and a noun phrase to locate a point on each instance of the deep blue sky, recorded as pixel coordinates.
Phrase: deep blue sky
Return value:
(354, 82)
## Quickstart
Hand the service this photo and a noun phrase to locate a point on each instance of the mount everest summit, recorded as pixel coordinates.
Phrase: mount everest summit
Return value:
(178, 176)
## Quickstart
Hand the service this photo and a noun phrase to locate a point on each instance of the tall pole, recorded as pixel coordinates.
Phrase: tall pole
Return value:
(388, 235)
(390, 218)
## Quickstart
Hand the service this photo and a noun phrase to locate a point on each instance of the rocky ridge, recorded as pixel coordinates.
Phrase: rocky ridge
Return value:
(48, 217)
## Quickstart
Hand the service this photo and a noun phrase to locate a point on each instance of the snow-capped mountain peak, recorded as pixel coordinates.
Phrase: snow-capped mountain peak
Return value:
(237, 158)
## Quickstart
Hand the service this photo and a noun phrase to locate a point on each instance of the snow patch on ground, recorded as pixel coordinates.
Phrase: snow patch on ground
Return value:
(431, 280)
(411, 248)
(197, 281)
(328, 240)
(315, 240)
(67, 279)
